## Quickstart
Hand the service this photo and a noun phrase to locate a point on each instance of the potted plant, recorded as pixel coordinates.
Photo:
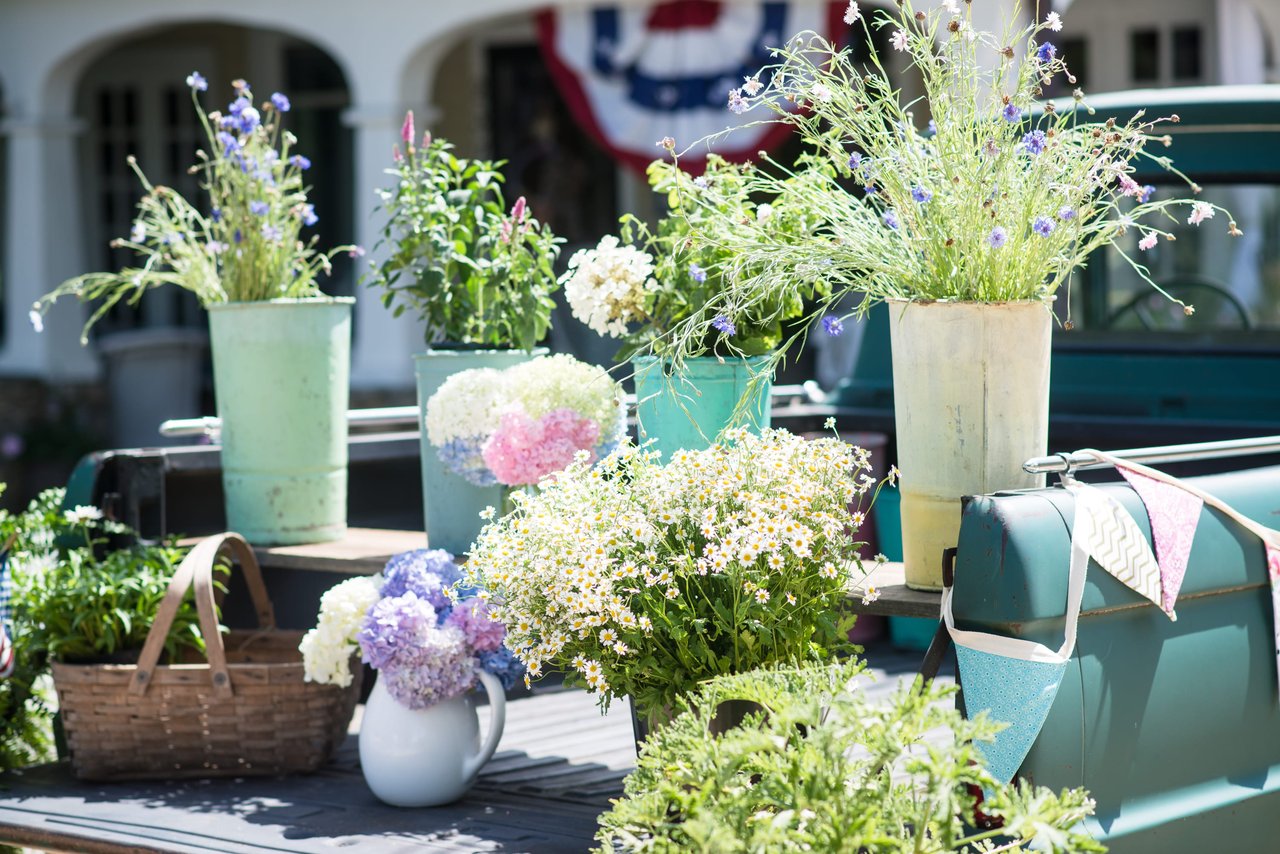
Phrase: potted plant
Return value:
(968, 226)
(281, 348)
(516, 426)
(821, 767)
(641, 579)
(419, 738)
(645, 283)
(480, 276)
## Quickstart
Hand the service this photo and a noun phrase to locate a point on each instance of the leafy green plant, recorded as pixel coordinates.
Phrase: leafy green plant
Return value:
(476, 273)
(247, 246)
(822, 769)
(643, 285)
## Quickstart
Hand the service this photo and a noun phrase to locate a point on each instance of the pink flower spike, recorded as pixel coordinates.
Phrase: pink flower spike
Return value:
(406, 130)
(395, 154)
(518, 210)
(426, 138)
(1148, 242)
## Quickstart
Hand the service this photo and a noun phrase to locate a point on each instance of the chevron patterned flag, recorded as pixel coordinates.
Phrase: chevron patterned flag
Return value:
(1174, 513)
(1114, 540)
(1273, 569)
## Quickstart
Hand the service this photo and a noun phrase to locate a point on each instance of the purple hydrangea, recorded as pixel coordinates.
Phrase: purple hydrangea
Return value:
(428, 573)
(699, 275)
(392, 626)
(724, 324)
(1042, 226)
(280, 101)
(921, 193)
(471, 617)
(832, 325)
(1034, 142)
(1011, 113)
(998, 237)
(464, 456)
(420, 663)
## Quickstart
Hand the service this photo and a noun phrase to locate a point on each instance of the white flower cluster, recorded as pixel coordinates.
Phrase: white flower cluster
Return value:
(327, 649)
(606, 286)
(608, 565)
(562, 382)
(466, 405)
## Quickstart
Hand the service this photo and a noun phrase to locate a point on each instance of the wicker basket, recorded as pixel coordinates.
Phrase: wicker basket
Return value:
(247, 710)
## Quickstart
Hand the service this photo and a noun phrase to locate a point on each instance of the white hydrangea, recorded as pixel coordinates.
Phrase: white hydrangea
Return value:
(562, 382)
(467, 404)
(327, 649)
(606, 286)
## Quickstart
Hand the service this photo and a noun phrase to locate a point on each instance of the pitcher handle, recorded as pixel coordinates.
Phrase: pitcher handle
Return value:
(497, 718)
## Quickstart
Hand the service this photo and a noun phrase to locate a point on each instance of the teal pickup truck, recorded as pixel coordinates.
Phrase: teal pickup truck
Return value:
(1134, 370)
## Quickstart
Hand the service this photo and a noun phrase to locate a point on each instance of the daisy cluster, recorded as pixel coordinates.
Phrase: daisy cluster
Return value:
(522, 424)
(642, 578)
(412, 623)
(606, 287)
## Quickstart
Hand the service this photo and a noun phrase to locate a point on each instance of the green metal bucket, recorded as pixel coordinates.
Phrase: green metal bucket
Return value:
(451, 504)
(280, 372)
(689, 410)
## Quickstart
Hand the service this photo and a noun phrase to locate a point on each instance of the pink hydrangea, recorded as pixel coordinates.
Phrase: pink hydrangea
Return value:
(522, 451)
(471, 617)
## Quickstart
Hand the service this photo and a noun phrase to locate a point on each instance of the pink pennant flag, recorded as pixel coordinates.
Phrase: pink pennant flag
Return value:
(1273, 569)
(1174, 514)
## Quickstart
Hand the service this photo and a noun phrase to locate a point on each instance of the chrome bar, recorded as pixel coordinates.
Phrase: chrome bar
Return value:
(396, 416)
(1160, 454)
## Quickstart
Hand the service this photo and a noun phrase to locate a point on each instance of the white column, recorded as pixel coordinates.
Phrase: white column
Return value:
(1241, 48)
(43, 247)
(384, 345)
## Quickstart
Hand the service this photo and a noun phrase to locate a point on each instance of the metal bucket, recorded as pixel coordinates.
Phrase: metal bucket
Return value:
(690, 409)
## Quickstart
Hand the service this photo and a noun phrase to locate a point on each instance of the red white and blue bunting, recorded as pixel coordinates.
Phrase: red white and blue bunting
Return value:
(633, 74)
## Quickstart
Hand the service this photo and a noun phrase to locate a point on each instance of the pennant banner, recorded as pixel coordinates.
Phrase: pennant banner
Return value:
(1273, 569)
(1114, 540)
(633, 74)
(1174, 515)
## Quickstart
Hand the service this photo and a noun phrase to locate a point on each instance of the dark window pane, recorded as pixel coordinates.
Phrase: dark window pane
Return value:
(1186, 53)
(104, 108)
(1144, 55)
(1075, 52)
(130, 97)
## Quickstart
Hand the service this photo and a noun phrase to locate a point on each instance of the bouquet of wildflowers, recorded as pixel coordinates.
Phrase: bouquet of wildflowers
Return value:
(640, 286)
(476, 272)
(642, 579)
(426, 638)
(995, 195)
(521, 424)
(247, 244)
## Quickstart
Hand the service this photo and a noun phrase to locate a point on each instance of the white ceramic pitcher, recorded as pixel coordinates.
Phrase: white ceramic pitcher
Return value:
(427, 757)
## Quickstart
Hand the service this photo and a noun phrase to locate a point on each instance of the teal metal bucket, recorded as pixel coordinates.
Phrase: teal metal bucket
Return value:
(280, 372)
(451, 504)
(689, 410)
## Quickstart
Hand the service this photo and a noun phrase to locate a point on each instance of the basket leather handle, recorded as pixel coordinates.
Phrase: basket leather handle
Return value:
(196, 571)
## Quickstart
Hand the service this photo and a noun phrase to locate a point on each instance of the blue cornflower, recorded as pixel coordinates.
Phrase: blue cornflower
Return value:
(239, 105)
(308, 214)
(891, 219)
(724, 324)
(700, 182)
(1046, 52)
(699, 275)
(997, 237)
(259, 207)
(869, 189)
(216, 214)
(300, 161)
(921, 194)
(1011, 113)
(280, 102)
(229, 122)
(832, 325)
(1066, 214)
(196, 81)
(932, 128)
(1034, 142)
(249, 119)
(855, 160)
(1042, 226)
(230, 144)
(1145, 193)
(270, 232)
(237, 237)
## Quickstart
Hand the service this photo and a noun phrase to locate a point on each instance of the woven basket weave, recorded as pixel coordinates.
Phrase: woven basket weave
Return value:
(247, 710)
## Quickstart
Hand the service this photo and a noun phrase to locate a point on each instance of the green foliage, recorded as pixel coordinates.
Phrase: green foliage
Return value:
(822, 769)
(246, 248)
(476, 274)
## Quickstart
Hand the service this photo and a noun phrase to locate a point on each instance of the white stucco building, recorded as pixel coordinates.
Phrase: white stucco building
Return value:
(83, 83)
